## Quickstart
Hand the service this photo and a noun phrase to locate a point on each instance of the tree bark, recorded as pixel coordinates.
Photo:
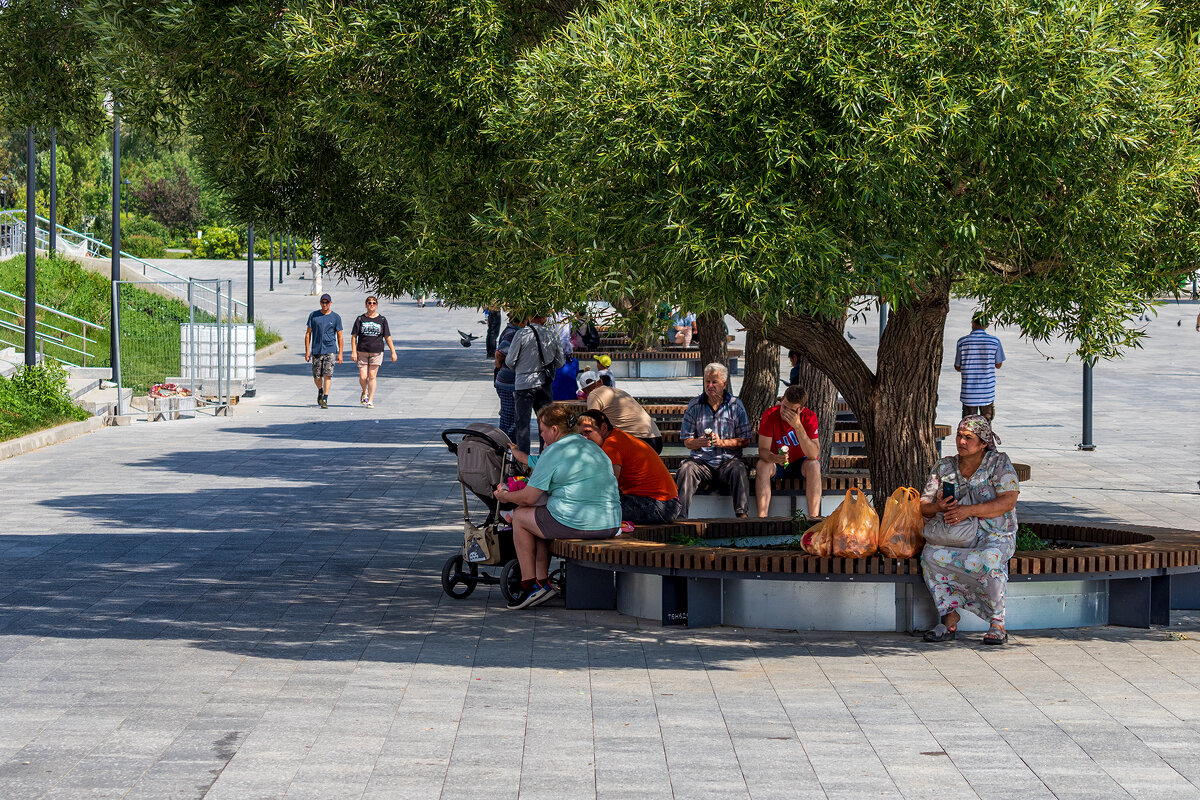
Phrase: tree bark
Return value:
(822, 401)
(895, 405)
(710, 335)
(760, 381)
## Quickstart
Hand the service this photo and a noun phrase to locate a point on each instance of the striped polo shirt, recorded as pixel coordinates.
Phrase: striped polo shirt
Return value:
(977, 355)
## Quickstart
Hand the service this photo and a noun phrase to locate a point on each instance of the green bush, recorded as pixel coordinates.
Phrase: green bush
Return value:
(217, 243)
(142, 245)
(35, 398)
(134, 225)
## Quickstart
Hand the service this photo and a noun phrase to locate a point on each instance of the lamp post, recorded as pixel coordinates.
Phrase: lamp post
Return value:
(114, 328)
(30, 250)
(53, 191)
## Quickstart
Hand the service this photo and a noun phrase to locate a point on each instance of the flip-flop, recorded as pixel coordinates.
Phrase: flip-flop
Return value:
(940, 633)
(992, 638)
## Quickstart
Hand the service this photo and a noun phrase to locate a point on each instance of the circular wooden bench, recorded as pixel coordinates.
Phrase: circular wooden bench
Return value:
(1119, 574)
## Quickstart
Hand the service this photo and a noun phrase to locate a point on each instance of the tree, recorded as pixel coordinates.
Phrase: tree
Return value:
(173, 201)
(789, 161)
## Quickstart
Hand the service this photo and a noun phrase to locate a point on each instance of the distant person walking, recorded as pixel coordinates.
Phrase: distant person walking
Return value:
(977, 356)
(322, 344)
(367, 338)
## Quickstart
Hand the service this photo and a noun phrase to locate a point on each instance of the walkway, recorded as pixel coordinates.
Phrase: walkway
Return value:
(249, 607)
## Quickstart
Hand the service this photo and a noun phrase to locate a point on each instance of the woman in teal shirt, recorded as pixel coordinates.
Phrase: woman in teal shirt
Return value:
(572, 494)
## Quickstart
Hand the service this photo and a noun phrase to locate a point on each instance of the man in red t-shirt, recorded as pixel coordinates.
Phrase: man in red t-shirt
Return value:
(648, 493)
(789, 424)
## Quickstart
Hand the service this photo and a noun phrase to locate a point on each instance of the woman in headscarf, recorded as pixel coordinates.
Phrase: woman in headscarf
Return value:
(972, 577)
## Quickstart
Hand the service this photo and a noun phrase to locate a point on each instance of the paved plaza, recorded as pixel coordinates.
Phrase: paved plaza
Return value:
(250, 607)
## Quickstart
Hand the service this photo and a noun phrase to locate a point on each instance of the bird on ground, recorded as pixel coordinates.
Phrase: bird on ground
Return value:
(465, 339)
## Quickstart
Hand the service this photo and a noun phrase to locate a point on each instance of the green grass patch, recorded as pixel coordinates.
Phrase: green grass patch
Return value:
(149, 322)
(35, 398)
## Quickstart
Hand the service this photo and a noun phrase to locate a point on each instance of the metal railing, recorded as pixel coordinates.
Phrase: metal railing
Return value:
(12, 222)
(45, 333)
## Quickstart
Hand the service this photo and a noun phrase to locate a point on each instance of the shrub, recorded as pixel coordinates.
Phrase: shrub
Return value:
(142, 245)
(35, 398)
(134, 225)
(217, 243)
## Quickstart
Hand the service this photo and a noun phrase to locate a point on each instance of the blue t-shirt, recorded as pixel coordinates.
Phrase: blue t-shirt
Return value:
(324, 329)
(977, 355)
(579, 478)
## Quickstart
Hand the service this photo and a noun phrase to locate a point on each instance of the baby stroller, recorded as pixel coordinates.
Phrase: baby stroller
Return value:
(483, 462)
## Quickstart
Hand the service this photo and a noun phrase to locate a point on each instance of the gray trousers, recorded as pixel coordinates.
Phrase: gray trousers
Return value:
(732, 475)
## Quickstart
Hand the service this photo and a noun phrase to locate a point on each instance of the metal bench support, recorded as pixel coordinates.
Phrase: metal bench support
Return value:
(1139, 602)
(1185, 591)
(691, 602)
(590, 589)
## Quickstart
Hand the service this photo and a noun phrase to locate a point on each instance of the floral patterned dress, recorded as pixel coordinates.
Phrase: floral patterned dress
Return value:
(973, 578)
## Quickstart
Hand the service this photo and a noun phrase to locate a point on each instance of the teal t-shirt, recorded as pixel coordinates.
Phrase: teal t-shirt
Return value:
(579, 479)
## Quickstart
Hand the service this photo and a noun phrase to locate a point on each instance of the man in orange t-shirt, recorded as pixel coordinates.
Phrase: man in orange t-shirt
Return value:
(648, 492)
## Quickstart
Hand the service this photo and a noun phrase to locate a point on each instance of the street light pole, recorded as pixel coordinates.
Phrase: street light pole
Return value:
(250, 272)
(271, 261)
(30, 250)
(53, 191)
(114, 328)
(1087, 443)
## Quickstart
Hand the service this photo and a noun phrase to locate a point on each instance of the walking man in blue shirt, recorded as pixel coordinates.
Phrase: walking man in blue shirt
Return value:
(978, 356)
(323, 343)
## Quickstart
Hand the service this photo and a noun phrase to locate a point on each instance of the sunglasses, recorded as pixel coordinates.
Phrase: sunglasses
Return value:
(372, 303)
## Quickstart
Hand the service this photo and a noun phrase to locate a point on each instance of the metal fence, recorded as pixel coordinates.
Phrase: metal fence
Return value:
(181, 341)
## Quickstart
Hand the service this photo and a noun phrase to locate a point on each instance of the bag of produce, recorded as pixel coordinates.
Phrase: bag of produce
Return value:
(855, 532)
(900, 531)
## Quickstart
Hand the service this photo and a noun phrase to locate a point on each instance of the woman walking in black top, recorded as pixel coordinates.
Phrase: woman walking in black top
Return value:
(367, 338)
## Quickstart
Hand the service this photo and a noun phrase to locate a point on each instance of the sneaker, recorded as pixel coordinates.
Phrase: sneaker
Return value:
(363, 399)
(542, 592)
(370, 404)
(323, 402)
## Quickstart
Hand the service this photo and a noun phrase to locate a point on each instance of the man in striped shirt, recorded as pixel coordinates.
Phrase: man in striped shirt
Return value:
(978, 356)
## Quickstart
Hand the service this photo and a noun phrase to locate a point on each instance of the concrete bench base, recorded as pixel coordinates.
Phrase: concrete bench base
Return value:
(849, 605)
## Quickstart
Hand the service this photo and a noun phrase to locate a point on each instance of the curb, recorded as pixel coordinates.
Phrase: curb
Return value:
(270, 350)
(38, 439)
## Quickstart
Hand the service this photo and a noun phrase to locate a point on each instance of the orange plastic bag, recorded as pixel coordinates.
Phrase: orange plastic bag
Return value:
(900, 532)
(815, 540)
(855, 532)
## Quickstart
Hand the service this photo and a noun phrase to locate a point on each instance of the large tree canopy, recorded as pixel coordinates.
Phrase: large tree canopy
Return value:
(789, 157)
(780, 159)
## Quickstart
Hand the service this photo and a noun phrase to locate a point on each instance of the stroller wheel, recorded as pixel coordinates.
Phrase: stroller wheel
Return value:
(455, 582)
(510, 581)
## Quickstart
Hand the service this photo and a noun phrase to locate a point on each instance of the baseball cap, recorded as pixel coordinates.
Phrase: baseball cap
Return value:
(587, 378)
(325, 298)
(604, 361)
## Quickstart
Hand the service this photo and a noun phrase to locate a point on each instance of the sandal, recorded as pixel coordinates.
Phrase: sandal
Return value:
(940, 633)
(996, 636)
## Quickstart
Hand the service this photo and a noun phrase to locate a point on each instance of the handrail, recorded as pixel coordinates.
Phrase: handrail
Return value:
(53, 327)
(53, 310)
(43, 236)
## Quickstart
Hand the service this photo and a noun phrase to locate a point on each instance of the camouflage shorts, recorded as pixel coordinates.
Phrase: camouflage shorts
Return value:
(322, 365)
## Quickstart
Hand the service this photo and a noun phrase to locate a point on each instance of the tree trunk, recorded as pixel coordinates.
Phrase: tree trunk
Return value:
(710, 335)
(897, 404)
(822, 400)
(760, 382)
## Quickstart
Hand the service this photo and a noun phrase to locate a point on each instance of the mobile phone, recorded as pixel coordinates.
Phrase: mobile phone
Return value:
(947, 490)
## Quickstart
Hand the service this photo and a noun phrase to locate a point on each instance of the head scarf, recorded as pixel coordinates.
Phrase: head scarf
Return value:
(979, 425)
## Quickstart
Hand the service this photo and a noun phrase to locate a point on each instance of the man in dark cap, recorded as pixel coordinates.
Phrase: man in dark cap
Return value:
(322, 344)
